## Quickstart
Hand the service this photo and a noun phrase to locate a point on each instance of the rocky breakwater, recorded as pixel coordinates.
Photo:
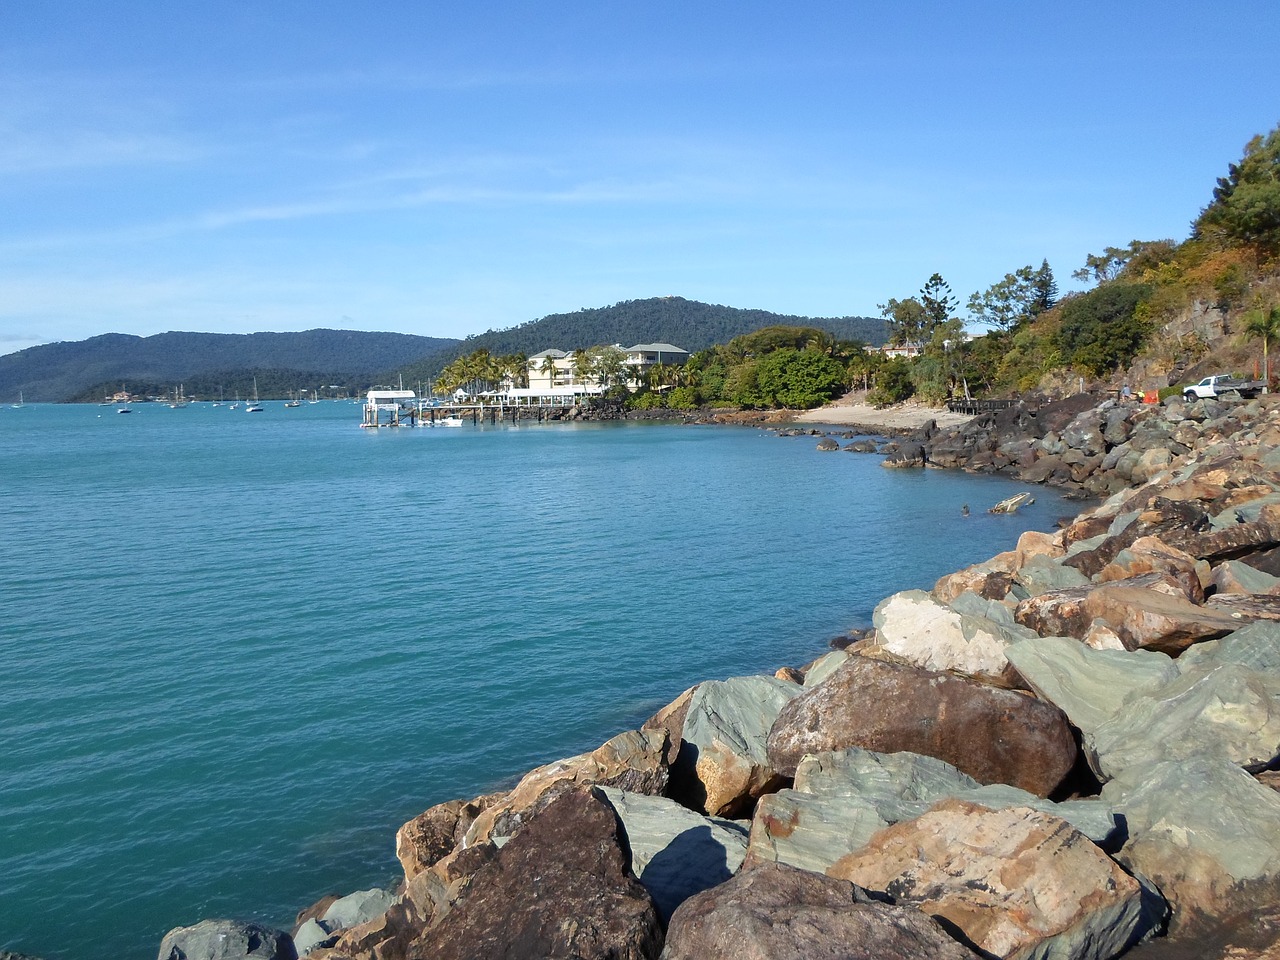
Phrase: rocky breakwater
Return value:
(1066, 751)
(1097, 448)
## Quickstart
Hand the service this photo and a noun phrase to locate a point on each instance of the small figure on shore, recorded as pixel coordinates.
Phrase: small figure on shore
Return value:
(964, 511)
(1125, 393)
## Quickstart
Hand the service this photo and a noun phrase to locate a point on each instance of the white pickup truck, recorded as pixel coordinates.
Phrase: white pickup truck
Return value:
(1221, 383)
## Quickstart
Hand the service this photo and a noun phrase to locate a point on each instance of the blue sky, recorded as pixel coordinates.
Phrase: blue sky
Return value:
(443, 169)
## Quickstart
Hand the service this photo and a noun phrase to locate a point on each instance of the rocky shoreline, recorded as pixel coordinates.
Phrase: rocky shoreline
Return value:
(1066, 751)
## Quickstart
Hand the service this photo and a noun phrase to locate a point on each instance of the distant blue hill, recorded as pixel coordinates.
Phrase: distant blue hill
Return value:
(204, 363)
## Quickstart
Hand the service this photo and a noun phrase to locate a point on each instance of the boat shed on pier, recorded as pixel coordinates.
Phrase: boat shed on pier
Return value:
(394, 403)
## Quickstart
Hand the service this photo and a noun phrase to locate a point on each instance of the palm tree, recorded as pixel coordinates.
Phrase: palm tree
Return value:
(1263, 324)
(548, 366)
(581, 364)
(657, 376)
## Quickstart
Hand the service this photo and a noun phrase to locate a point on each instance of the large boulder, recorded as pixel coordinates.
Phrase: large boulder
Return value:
(432, 835)
(226, 940)
(675, 852)
(357, 908)
(1088, 685)
(1150, 612)
(635, 761)
(842, 799)
(1152, 555)
(1236, 576)
(559, 888)
(915, 627)
(991, 734)
(991, 579)
(1018, 883)
(1255, 646)
(1223, 710)
(775, 912)
(723, 765)
(1199, 829)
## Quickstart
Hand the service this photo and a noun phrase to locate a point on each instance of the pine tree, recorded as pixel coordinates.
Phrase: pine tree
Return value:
(1046, 289)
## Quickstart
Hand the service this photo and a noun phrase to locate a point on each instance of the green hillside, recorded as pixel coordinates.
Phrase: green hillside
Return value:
(685, 323)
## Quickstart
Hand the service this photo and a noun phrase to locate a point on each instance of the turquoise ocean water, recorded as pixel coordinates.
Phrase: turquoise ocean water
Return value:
(237, 651)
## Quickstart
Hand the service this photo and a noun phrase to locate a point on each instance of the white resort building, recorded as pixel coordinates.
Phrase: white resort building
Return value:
(554, 373)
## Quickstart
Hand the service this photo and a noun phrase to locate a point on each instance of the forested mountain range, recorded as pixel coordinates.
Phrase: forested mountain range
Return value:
(207, 365)
(204, 363)
(688, 324)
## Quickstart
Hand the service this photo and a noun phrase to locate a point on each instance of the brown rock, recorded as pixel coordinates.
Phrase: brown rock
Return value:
(432, 835)
(1017, 882)
(1169, 520)
(1229, 543)
(1149, 612)
(985, 579)
(387, 937)
(634, 761)
(434, 891)
(776, 912)
(560, 888)
(790, 674)
(671, 719)
(1151, 555)
(993, 735)
(1034, 543)
(1246, 607)
(1085, 528)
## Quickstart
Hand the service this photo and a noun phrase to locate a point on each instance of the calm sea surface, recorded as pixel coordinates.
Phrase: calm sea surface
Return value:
(237, 651)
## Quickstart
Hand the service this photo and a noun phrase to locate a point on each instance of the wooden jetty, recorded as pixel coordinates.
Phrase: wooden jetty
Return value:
(975, 407)
(400, 408)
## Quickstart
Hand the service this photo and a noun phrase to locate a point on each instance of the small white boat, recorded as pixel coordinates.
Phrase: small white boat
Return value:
(253, 407)
(124, 410)
(449, 422)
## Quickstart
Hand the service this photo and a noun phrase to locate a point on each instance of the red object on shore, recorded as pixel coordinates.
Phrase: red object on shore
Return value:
(1151, 396)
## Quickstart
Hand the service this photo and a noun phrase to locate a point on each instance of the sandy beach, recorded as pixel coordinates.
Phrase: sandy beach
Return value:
(851, 411)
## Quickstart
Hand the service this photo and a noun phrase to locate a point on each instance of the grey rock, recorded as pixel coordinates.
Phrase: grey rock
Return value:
(1197, 828)
(1254, 647)
(724, 740)
(357, 908)
(1221, 710)
(312, 934)
(1088, 685)
(842, 799)
(1040, 574)
(675, 852)
(811, 831)
(823, 667)
(226, 940)
(1085, 434)
(1236, 576)
(1248, 512)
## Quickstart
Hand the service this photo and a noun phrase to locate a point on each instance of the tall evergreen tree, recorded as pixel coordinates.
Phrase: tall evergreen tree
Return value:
(1046, 289)
(939, 303)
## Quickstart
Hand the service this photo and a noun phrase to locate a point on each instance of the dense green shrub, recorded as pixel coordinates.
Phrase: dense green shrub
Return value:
(1101, 330)
(798, 379)
(893, 384)
(683, 398)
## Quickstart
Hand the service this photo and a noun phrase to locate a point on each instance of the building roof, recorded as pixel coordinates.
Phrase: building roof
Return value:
(655, 348)
(553, 354)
